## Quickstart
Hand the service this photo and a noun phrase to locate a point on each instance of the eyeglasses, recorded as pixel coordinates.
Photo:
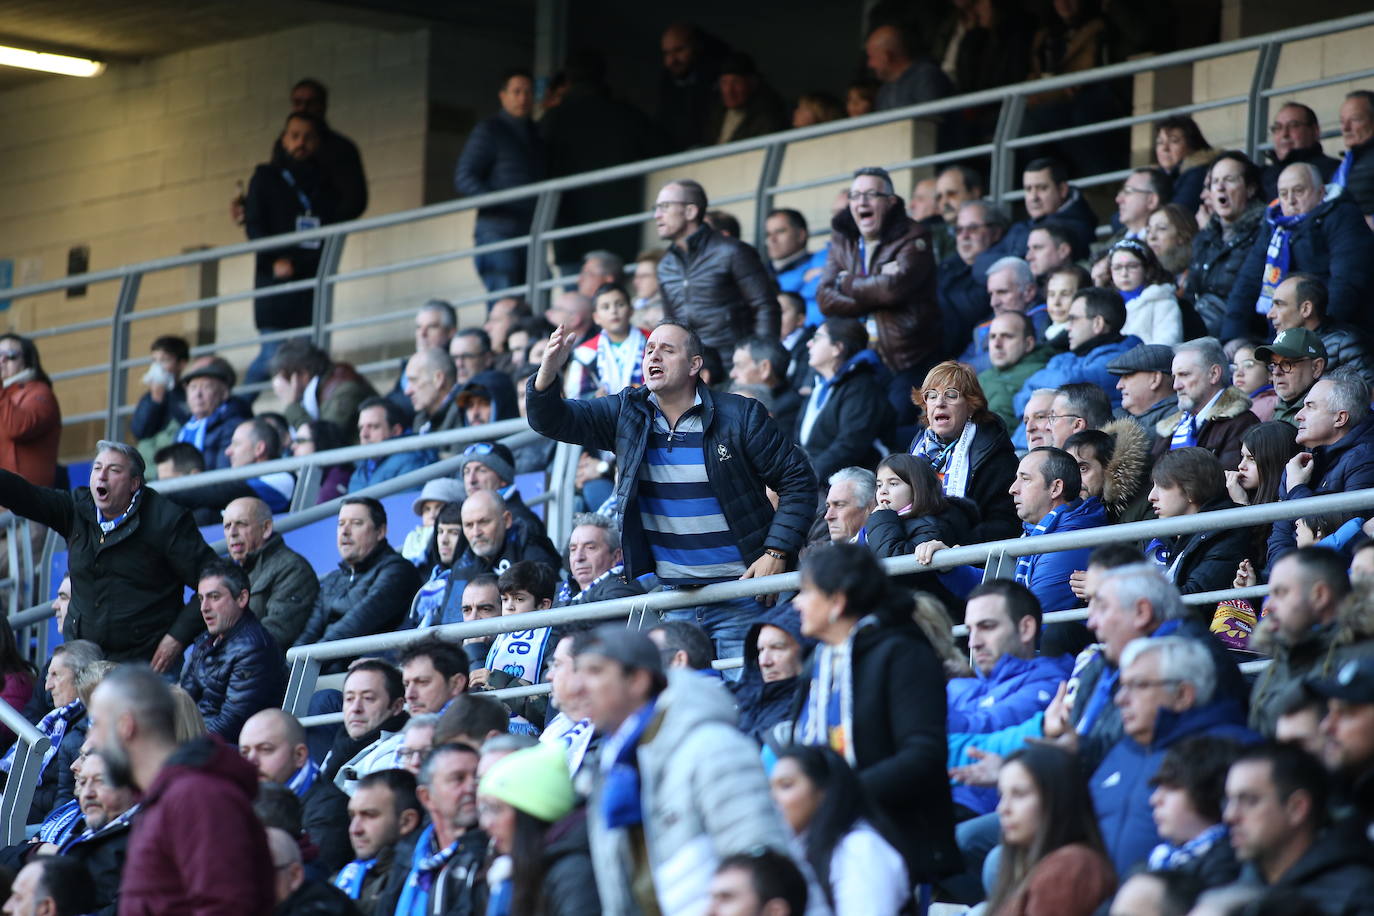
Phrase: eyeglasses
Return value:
(1286, 366)
(1056, 417)
(868, 196)
(949, 396)
(969, 228)
(1145, 684)
(11, 355)
(410, 753)
(663, 205)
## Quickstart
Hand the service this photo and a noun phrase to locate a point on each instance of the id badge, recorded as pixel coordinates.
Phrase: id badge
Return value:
(308, 222)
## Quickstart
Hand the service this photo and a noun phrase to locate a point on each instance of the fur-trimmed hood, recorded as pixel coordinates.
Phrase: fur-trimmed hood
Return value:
(1126, 471)
(1232, 404)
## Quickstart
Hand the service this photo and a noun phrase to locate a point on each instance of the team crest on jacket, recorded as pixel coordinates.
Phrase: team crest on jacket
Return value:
(722, 452)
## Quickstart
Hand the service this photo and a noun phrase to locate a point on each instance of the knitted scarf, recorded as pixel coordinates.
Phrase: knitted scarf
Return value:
(54, 725)
(1165, 856)
(113, 825)
(621, 797)
(58, 826)
(424, 869)
(1025, 564)
(564, 595)
(351, 877)
(1276, 256)
(820, 724)
(950, 460)
(301, 780)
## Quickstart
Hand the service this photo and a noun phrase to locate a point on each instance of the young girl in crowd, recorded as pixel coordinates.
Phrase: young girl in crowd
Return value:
(1152, 311)
(1251, 376)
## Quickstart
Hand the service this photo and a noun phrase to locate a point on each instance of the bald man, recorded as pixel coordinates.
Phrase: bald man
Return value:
(495, 539)
(295, 891)
(282, 584)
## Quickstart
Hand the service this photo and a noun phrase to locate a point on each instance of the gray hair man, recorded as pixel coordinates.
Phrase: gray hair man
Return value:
(851, 498)
(1213, 414)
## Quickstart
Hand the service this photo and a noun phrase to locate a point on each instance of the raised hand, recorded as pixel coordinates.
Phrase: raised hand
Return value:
(556, 354)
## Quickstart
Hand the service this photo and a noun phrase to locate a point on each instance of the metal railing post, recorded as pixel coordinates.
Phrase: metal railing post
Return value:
(322, 306)
(31, 745)
(536, 258)
(769, 171)
(300, 686)
(1009, 117)
(1257, 114)
(118, 388)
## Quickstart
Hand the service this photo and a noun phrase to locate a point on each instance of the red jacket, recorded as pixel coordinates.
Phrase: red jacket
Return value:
(30, 427)
(197, 848)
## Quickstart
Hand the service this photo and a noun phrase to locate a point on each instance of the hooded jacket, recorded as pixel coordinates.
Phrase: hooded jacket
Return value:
(992, 466)
(719, 287)
(745, 452)
(1334, 243)
(196, 817)
(763, 705)
(1126, 481)
(1120, 785)
(1217, 258)
(1206, 560)
(282, 589)
(1227, 423)
(703, 794)
(361, 600)
(896, 287)
(1345, 465)
(855, 413)
(235, 675)
(1048, 573)
(1154, 317)
(1084, 363)
(1334, 874)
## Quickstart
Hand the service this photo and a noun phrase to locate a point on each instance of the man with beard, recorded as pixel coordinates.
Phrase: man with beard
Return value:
(108, 810)
(197, 808)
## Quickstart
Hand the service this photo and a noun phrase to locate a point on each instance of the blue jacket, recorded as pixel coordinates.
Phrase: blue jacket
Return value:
(1121, 788)
(1344, 466)
(745, 451)
(1048, 573)
(1087, 363)
(1334, 243)
(372, 470)
(764, 705)
(1015, 690)
(502, 152)
(219, 429)
(792, 279)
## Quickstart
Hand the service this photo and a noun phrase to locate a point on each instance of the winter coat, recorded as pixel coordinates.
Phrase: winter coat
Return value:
(30, 427)
(1347, 345)
(104, 855)
(1206, 560)
(887, 535)
(567, 863)
(1154, 317)
(963, 302)
(57, 784)
(1334, 874)
(1084, 363)
(282, 589)
(720, 287)
(899, 741)
(316, 898)
(362, 600)
(1001, 385)
(1334, 243)
(1221, 431)
(992, 464)
(1316, 653)
(1188, 177)
(608, 588)
(1075, 215)
(1359, 183)
(791, 277)
(1217, 258)
(855, 413)
(1126, 481)
(896, 288)
(976, 354)
(502, 152)
(1269, 175)
(763, 705)
(235, 675)
(1048, 573)
(344, 748)
(1343, 466)
(376, 470)
(745, 452)
(272, 207)
(127, 585)
(1120, 785)
(324, 816)
(1074, 880)
(196, 817)
(1012, 692)
(703, 794)
(338, 392)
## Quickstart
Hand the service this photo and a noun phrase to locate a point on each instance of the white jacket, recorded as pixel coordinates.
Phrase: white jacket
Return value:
(1154, 316)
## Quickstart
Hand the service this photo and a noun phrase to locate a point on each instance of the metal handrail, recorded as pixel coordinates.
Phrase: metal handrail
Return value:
(30, 747)
(1010, 100)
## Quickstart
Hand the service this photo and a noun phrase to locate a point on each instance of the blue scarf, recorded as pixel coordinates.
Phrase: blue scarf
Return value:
(1343, 170)
(1047, 524)
(193, 430)
(58, 826)
(428, 607)
(351, 877)
(1165, 856)
(54, 725)
(1276, 256)
(564, 595)
(301, 780)
(114, 824)
(424, 868)
(621, 797)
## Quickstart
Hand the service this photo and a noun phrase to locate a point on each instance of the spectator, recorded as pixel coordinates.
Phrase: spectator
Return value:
(282, 583)
(503, 151)
(337, 155)
(746, 106)
(1011, 288)
(434, 496)
(491, 466)
(1356, 172)
(574, 312)
(763, 361)
(1222, 245)
(433, 603)
(378, 421)
(861, 97)
(816, 108)
(1307, 587)
(296, 893)
(370, 590)
(1143, 192)
(1345, 729)
(792, 267)
(687, 84)
(598, 269)
(967, 447)
(679, 735)
(908, 75)
(1049, 196)
(174, 863)
(912, 511)
(180, 459)
(128, 591)
(473, 360)
(683, 646)
(596, 564)
(448, 852)
(895, 746)
(1300, 302)
(881, 265)
(1307, 235)
(1212, 414)
(1014, 357)
(255, 440)
(236, 667)
(1053, 858)
(312, 386)
(58, 885)
(648, 301)
(774, 652)
(763, 883)
(502, 318)
(17, 674)
(1170, 235)
(1046, 494)
(570, 729)
(978, 225)
(1165, 694)
(1296, 361)
(322, 436)
(495, 539)
(214, 413)
(1049, 247)
(1061, 287)
(529, 810)
(417, 737)
(1296, 137)
(612, 360)
(1146, 382)
(1035, 426)
(517, 659)
(1152, 311)
(1276, 808)
(853, 854)
(1183, 154)
(1188, 790)
(431, 386)
(1097, 337)
(1264, 451)
(1334, 430)
(759, 540)
(848, 503)
(1188, 481)
(846, 410)
(30, 420)
(374, 711)
(1253, 378)
(1114, 464)
(102, 845)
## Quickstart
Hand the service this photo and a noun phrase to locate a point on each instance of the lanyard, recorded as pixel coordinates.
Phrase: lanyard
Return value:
(300, 195)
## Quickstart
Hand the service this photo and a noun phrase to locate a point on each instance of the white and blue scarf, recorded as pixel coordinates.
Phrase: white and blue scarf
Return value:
(301, 780)
(519, 654)
(564, 595)
(351, 877)
(1190, 424)
(59, 825)
(830, 697)
(573, 737)
(425, 866)
(1046, 525)
(114, 824)
(1165, 856)
(949, 459)
(54, 726)
(1277, 256)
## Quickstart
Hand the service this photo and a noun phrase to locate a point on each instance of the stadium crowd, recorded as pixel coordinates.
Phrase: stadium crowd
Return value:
(937, 375)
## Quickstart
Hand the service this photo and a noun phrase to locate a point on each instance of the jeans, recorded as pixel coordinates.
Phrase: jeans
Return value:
(977, 839)
(504, 268)
(726, 622)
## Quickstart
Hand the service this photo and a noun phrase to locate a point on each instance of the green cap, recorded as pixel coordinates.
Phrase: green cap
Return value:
(1294, 343)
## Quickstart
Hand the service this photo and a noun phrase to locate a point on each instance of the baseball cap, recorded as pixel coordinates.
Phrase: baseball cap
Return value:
(1294, 343)
(1354, 682)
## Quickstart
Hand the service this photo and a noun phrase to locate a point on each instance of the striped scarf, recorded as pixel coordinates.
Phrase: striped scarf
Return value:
(301, 780)
(833, 674)
(351, 877)
(54, 725)
(424, 869)
(1047, 524)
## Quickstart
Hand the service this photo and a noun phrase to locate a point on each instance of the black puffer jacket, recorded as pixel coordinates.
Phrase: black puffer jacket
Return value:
(104, 854)
(890, 535)
(567, 866)
(763, 704)
(372, 597)
(720, 288)
(126, 585)
(745, 452)
(1347, 345)
(855, 413)
(234, 676)
(1217, 258)
(1207, 561)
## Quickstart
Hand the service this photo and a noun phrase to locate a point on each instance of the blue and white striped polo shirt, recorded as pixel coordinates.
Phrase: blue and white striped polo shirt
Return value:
(683, 521)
